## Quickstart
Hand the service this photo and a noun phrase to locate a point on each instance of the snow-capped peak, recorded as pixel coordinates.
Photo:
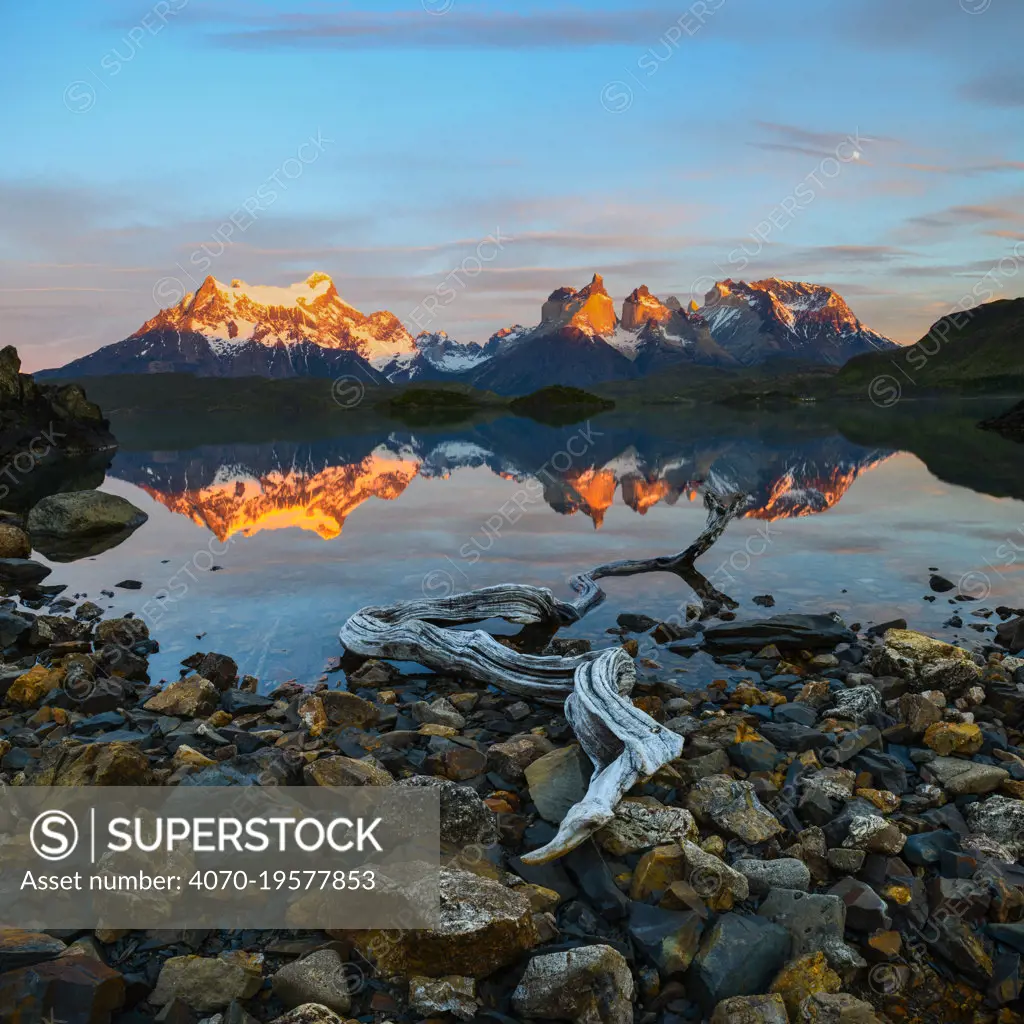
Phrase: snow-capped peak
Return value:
(307, 311)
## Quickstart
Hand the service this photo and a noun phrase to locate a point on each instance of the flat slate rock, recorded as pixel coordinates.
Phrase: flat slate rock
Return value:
(787, 632)
(23, 571)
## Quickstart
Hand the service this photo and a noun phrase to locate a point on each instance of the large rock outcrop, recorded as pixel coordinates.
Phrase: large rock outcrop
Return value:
(37, 420)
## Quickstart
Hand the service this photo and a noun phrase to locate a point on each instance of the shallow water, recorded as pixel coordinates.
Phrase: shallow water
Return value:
(306, 533)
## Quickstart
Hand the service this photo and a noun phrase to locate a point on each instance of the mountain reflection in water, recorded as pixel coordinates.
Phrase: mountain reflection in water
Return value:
(585, 469)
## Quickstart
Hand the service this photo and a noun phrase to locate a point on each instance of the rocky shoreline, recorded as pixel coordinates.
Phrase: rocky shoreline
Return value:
(840, 840)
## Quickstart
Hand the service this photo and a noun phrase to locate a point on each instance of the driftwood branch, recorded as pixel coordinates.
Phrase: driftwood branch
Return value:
(624, 744)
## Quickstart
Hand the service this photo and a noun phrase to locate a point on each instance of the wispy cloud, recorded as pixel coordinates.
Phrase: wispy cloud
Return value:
(790, 138)
(539, 28)
(1000, 89)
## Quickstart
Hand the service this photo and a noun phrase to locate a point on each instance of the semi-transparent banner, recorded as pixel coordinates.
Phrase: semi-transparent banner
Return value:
(219, 857)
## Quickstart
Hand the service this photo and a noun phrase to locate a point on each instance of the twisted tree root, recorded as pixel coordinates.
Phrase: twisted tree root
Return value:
(624, 744)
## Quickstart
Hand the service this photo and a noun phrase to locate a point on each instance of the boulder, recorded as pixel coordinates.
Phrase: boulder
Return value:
(465, 818)
(192, 697)
(22, 572)
(805, 977)
(999, 818)
(557, 781)
(586, 985)
(511, 758)
(345, 771)
(815, 921)
(71, 990)
(734, 807)
(346, 710)
(14, 542)
(714, 881)
(947, 738)
(83, 513)
(669, 939)
(452, 994)
(959, 777)
(784, 873)
(924, 662)
(317, 978)
(837, 1008)
(739, 956)
(19, 948)
(94, 764)
(208, 983)
(32, 686)
(643, 822)
(483, 926)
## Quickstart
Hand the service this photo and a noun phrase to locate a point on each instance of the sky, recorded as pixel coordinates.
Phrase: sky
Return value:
(484, 154)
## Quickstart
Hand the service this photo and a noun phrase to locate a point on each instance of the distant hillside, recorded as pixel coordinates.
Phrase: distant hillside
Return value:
(980, 350)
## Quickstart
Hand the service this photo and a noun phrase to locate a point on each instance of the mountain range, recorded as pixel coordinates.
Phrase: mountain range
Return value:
(307, 329)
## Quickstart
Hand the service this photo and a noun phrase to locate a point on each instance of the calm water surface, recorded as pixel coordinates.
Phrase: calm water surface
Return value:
(304, 534)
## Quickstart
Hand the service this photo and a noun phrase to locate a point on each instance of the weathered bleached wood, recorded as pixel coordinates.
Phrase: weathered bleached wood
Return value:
(624, 744)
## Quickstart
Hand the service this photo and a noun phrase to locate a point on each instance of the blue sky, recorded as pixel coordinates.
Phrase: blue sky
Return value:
(664, 144)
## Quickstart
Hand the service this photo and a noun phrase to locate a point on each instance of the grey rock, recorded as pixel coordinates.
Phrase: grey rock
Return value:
(734, 807)
(857, 703)
(999, 818)
(23, 571)
(846, 862)
(739, 956)
(643, 822)
(960, 777)
(837, 1008)
(586, 985)
(769, 1009)
(787, 632)
(557, 781)
(465, 818)
(765, 875)
(318, 978)
(439, 712)
(815, 921)
(83, 513)
(866, 911)
(452, 994)
(208, 983)
(309, 1013)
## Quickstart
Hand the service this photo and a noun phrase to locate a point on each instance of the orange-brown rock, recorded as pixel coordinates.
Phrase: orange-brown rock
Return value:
(483, 927)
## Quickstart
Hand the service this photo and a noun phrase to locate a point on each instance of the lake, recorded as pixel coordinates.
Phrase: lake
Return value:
(261, 551)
